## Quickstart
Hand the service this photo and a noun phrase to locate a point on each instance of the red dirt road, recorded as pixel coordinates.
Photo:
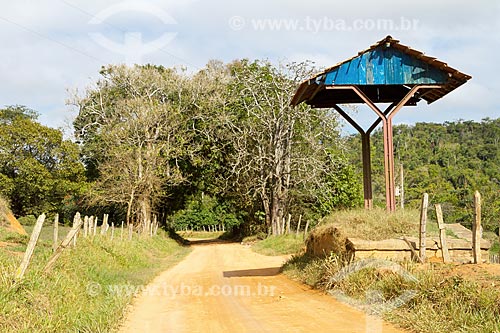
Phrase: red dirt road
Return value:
(229, 288)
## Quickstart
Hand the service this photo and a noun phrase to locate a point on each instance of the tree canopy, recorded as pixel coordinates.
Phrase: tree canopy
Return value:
(39, 170)
(151, 136)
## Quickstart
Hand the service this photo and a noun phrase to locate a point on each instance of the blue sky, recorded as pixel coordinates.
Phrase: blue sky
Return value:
(52, 49)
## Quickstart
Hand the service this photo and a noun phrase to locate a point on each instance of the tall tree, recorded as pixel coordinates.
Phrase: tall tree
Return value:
(133, 129)
(38, 168)
(276, 147)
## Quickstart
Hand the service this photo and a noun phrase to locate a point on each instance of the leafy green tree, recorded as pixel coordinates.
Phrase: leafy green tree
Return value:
(153, 138)
(133, 130)
(38, 168)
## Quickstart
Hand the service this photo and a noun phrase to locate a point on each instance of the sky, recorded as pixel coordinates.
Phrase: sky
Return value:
(52, 50)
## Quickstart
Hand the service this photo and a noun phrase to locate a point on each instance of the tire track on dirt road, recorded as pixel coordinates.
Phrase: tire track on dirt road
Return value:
(226, 287)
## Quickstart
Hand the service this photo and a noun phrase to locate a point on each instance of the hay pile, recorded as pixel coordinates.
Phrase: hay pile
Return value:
(328, 239)
(7, 219)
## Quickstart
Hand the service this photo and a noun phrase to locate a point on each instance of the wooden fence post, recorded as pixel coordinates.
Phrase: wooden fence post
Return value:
(288, 224)
(85, 226)
(76, 221)
(28, 254)
(298, 225)
(95, 224)
(65, 243)
(90, 224)
(55, 236)
(112, 230)
(305, 229)
(476, 229)
(104, 225)
(442, 234)
(121, 232)
(153, 226)
(423, 226)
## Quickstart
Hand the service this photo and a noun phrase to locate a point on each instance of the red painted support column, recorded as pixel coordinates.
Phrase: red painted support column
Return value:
(365, 157)
(386, 119)
(367, 170)
(390, 168)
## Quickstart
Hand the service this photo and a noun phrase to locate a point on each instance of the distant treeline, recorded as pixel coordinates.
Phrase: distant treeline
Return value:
(449, 161)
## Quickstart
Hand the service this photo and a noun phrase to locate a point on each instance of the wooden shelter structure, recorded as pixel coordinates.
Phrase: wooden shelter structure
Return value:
(387, 72)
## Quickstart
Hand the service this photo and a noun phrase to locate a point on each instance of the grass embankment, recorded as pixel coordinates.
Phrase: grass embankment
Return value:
(377, 224)
(279, 245)
(449, 298)
(76, 295)
(446, 300)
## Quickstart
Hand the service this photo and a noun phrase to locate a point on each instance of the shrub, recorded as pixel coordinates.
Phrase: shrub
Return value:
(27, 220)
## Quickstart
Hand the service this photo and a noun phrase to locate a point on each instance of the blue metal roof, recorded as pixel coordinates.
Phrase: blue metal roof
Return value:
(385, 72)
(384, 65)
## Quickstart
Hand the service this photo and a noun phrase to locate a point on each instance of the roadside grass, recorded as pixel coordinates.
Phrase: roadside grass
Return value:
(78, 295)
(446, 300)
(377, 224)
(279, 245)
(443, 303)
(495, 247)
(200, 234)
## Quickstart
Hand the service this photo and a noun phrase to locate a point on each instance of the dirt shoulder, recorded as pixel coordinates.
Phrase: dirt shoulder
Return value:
(228, 288)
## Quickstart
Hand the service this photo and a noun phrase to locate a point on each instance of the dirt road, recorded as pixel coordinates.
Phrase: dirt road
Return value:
(229, 288)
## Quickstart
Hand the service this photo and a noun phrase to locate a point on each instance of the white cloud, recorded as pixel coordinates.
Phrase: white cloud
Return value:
(36, 69)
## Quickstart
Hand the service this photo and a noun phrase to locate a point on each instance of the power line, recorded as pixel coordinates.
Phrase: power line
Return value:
(52, 40)
(69, 4)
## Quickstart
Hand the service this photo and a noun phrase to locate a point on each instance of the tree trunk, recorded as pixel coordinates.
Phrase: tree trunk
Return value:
(267, 211)
(145, 212)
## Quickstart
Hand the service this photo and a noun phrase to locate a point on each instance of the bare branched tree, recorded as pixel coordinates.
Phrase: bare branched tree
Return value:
(133, 126)
(276, 146)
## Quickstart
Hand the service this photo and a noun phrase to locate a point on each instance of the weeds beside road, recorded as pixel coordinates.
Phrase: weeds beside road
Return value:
(448, 298)
(61, 301)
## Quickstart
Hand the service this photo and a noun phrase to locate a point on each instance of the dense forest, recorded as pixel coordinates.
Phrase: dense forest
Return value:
(448, 161)
(224, 146)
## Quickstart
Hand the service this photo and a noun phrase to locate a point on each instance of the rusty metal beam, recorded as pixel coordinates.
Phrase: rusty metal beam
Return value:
(365, 157)
(367, 170)
(385, 117)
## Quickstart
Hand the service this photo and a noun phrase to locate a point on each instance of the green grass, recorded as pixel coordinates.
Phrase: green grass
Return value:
(495, 247)
(199, 234)
(279, 245)
(377, 224)
(47, 232)
(61, 301)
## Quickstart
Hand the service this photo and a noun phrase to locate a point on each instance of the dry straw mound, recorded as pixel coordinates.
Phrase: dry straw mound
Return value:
(327, 239)
(331, 236)
(7, 219)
